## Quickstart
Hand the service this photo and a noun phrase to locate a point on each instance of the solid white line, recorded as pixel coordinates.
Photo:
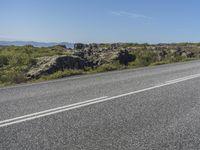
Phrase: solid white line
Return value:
(86, 103)
(50, 110)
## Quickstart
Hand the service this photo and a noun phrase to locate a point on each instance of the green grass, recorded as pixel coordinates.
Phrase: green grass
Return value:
(62, 74)
(15, 62)
(67, 72)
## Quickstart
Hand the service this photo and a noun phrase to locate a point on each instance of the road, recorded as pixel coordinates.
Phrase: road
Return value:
(147, 108)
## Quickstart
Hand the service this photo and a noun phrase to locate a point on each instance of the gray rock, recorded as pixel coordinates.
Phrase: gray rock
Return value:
(115, 45)
(48, 65)
(180, 52)
(93, 46)
(96, 56)
(79, 46)
(161, 55)
(187, 54)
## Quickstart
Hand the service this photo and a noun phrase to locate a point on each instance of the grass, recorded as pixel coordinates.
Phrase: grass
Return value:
(15, 61)
(70, 72)
(62, 74)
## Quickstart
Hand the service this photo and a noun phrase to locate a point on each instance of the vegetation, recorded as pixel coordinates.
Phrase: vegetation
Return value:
(62, 74)
(16, 61)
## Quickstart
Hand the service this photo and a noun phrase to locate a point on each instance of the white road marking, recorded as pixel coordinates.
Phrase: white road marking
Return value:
(86, 103)
(183, 78)
(49, 110)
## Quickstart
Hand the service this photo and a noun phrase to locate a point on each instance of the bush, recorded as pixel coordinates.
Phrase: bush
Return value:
(145, 58)
(172, 59)
(21, 59)
(3, 60)
(15, 61)
(12, 77)
(124, 57)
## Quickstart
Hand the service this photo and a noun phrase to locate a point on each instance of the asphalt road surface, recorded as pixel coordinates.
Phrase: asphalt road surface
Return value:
(140, 109)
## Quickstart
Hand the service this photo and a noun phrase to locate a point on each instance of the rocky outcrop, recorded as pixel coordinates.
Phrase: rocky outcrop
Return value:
(187, 54)
(96, 56)
(48, 65)
(79, 46)
(180, 52)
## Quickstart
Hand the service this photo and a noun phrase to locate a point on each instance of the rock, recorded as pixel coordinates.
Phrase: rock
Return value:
(79, 46)
(93, 46)
(96, 56)
(187, 54)
(48, 65)
(161, 55)
(115, 45)
(179, 52)
(176, 52)
(124, 57)
(62, 46)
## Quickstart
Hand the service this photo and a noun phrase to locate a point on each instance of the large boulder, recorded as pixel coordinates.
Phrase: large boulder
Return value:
(48, 65)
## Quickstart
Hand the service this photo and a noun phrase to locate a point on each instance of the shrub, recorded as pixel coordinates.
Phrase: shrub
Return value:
(145, 58)
(12, 76)
(3, 60)
(124, 57)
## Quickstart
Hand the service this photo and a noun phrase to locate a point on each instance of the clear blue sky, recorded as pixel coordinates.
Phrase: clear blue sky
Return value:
(150, 21)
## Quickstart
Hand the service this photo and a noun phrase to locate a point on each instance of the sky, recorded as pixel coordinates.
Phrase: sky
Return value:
(88, 21)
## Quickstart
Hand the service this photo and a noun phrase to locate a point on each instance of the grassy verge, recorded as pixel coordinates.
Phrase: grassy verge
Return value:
(100, 69)
(16, 61)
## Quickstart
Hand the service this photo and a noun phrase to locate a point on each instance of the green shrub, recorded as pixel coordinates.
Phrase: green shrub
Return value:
(12, 77)
(4, 78)
(15, 61)
(124, 57)
(3, 60)
(145, 58)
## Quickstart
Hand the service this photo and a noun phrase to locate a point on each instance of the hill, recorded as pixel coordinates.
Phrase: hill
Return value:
(35, 44)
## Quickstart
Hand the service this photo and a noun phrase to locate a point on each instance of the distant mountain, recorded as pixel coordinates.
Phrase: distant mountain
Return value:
(35, 44)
